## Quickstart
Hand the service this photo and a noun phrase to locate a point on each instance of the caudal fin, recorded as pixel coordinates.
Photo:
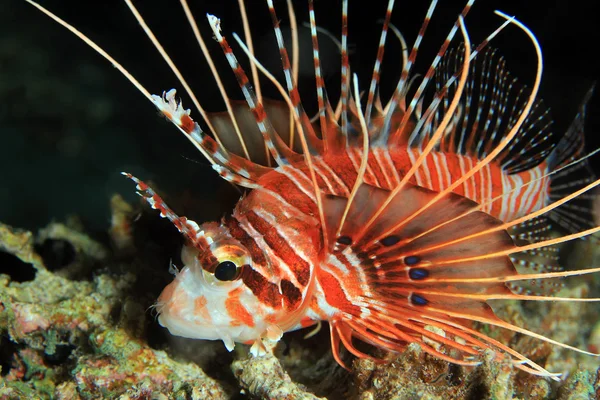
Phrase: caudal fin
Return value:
(572, 172)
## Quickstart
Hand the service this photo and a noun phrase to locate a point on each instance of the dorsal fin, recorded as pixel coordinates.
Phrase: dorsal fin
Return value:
(578, 214)
(277, 112)
(490, 108)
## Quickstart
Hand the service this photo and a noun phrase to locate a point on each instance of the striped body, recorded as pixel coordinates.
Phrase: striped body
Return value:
(337, 174)
(278, 221)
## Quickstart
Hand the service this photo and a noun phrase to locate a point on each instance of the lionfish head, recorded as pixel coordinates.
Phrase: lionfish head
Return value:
(205, 299)
(240, 282)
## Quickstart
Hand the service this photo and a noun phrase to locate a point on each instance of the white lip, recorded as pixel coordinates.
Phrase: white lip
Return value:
(188, 329)
(228, 334)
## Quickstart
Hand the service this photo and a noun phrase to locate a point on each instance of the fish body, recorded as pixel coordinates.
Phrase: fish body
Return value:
(290, 280)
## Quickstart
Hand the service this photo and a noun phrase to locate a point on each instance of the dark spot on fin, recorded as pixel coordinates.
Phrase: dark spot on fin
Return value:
(418, 274)
(418, 300)
(390, 240)
(345, 240)
(412, 260)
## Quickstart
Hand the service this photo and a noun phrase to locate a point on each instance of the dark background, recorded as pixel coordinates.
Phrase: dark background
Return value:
(69, 122)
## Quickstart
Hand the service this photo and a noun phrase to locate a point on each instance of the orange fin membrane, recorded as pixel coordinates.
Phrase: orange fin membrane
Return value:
(426, 281)
(394, 311)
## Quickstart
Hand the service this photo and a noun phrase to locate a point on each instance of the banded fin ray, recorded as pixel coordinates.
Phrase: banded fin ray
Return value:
(417, 281)
(395, 310)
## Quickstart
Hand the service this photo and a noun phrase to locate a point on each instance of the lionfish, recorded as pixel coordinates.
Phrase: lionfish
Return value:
(395, 223)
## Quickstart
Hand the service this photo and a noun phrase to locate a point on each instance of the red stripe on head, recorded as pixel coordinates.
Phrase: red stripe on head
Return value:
(299, 267)
(240, 235)
(238, 313)
(292, 296)
(266, 292)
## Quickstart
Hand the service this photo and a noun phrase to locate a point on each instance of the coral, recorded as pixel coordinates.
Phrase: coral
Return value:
(74, 338)
(264, 377)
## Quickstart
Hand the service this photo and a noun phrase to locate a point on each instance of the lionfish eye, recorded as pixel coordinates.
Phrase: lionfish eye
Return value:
(227, 271)
(225, 262)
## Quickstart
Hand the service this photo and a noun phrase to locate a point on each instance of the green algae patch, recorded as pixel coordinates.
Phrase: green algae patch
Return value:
(72, 338)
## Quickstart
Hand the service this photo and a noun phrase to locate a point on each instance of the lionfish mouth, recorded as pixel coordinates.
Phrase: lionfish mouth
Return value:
(429, 205)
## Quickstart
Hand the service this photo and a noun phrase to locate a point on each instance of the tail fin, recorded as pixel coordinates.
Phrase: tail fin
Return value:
(570, 147)
(572, 172)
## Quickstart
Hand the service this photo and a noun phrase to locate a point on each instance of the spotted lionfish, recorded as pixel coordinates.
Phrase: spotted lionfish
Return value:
(395, 223)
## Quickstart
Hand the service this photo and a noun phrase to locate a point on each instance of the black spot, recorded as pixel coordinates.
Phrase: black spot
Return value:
(345, 240)
(56, 253)
(226, 271)
(18, 270)
(412, 260)
(418, 300)
(418, 273)
(390, 240)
